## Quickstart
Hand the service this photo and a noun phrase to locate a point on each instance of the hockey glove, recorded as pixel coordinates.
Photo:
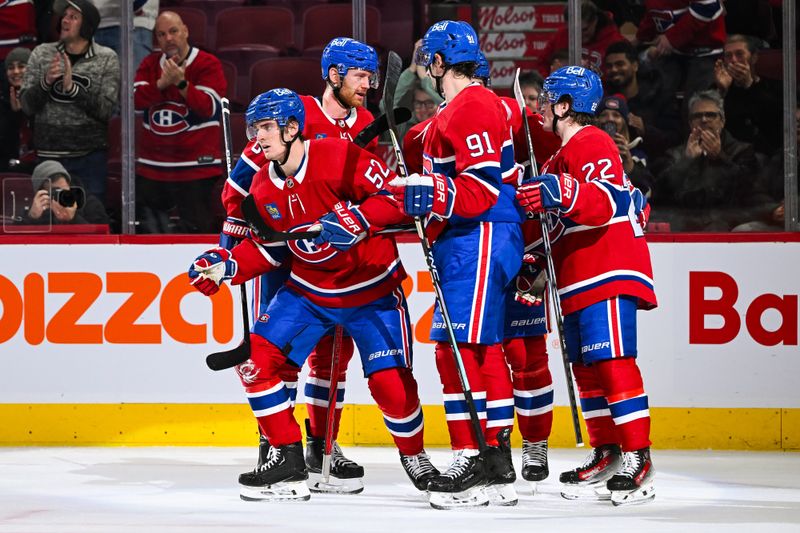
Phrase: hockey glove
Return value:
(233, 231)
(548, 191)
(640, 208)
(531, 282)
(342, 227)
(212, 268)
(423, 194)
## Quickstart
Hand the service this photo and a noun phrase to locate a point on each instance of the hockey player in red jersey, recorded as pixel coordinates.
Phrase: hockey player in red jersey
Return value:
(349, 68)
(604, 275)
(475, 225)
(334, 279)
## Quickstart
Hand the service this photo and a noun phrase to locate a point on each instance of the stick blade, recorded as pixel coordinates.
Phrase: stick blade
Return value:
(518, 93)
(230, 358)
(394, 67)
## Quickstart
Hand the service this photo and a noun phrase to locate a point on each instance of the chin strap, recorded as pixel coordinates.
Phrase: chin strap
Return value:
(288, 146)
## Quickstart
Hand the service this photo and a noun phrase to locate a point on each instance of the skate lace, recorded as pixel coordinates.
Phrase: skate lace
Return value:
(338, 459)
(631, 463)
(418, 465)
(457, 468)
(273, 459)
(534, 453)
(592, 458)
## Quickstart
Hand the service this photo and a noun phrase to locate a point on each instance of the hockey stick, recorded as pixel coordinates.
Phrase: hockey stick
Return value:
(240, 354)
(380, 126)
(262, 229)
(552, 288)
(394, 66)
(333, 399)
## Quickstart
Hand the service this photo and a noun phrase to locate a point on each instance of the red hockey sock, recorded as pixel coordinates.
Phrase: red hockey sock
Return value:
(595, 411)
(533, 386)
(317, 386)
(289, 374)
(457, 414)
(499, 393)
(395, 392)
(627, 401)
(267, 394)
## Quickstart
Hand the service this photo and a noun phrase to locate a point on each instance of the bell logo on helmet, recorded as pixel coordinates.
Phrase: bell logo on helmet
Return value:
(341, 41)
(282, 92)
(439, 26)
(577, 71)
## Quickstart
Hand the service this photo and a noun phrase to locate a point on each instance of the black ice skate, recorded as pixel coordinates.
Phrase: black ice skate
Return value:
(500, 471)
(419, 468)
(633, 483)
(534, 462)
(461, 485)
(589, 479)
(263, 450)
(281, 477)
(346, 477)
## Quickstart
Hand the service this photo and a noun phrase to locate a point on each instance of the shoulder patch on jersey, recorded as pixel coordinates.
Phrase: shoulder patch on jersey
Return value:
(272, 209)
(321, 135)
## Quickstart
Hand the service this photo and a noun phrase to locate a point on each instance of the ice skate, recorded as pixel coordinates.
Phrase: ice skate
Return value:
(282, 477)
(588, 481)
(346, 477)
(419, 469)
(500, 471)
(534, 462)
(633, 483)
(462, 485)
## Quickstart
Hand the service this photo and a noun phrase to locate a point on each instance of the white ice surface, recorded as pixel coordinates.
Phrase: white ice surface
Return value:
(153, 490)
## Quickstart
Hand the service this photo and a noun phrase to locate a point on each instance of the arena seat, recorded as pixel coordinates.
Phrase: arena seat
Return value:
(197, 23)
(770, 63)
(323, 22)
(238, 135)
(301, 74)
(257, 27)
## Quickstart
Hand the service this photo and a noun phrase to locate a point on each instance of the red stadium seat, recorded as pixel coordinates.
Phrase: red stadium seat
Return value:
(238, 134)
(231, 74)
(770, 63)
(301, 74)
(197, 23)
(256, 27)
(323, 22)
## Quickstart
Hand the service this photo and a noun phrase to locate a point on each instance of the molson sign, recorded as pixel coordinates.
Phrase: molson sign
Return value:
(517, 17)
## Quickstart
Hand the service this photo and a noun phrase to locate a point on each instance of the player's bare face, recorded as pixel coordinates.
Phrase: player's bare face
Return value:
(71, 25)
(172, 36)
(354, 87)
(268, 137)
(546, 109)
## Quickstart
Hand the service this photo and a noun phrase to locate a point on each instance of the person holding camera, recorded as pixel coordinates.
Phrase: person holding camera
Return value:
(58, 199)
(613, 117)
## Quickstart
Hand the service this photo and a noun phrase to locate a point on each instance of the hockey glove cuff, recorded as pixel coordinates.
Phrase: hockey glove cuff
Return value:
(212, 268)
(343, 227)
(233, 231)
(531, 282)
(425, 194)
(548, 191)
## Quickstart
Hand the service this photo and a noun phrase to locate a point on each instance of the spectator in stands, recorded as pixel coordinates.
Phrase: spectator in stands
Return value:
(17, 26)
(703, 184)
(108, 34)
(179, 156)
(597, 32)
(684, 38)
(59, 198)
(613, 117)
(654, 114)
(423, 107)
(15, 133)
(753, 105)
(531, 85)
(70, 90)
(560, 58)
(411, 79)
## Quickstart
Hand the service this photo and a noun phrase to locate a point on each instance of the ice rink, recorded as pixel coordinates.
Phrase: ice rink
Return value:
(173, 490)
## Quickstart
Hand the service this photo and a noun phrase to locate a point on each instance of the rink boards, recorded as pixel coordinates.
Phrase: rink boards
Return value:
(102, 341)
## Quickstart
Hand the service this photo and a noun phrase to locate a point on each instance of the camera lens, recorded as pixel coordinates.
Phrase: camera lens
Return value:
(65, 197)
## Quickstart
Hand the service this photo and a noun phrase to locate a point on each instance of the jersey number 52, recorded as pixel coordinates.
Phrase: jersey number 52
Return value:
(376, 173)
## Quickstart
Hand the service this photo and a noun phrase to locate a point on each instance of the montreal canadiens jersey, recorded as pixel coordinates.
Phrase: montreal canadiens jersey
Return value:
(470, 142)
(318, 125)
(333, 171)
(181, 137)
(694, 27)
(599, 249)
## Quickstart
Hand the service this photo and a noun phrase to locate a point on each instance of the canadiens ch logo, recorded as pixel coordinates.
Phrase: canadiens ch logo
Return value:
(168, 118)
(263, 318)
(307, 251)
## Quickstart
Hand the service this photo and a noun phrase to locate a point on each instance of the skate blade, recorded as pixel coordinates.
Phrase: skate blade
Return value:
(474, 497)
(277, 492)
(504, 495)
(592, 491)
(643, 494)
(334, 485)
(534, 487)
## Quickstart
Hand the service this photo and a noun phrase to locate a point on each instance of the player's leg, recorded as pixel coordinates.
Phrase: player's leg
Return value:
(317, 389)
(386, 357)
(621, 380)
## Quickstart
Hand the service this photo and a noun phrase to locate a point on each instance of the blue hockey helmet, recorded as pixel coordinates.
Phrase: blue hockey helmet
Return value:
(456, 41)
(345, 53)
(279, 105)
(582, 84)
(483, 71)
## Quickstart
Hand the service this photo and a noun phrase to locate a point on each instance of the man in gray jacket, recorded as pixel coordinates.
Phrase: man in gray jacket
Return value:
(70, 90)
